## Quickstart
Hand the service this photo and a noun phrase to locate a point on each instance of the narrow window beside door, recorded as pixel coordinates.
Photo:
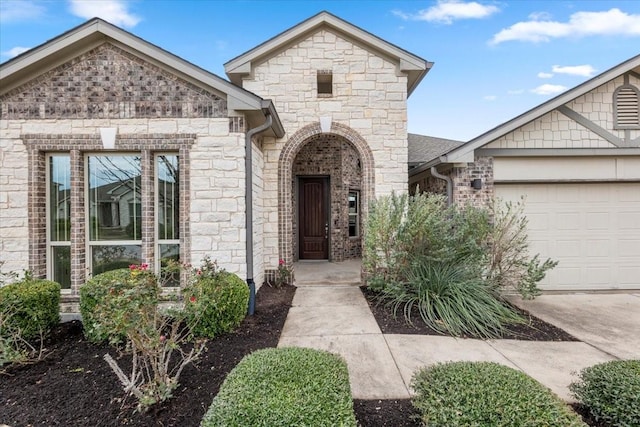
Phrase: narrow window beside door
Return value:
(354, 211)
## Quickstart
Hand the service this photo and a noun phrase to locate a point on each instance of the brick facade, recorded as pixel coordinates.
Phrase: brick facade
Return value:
(461, 178)
(109, 83)
(332, 156)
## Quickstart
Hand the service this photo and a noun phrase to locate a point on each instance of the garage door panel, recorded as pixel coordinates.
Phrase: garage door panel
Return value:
(592, 229)
(629, 276)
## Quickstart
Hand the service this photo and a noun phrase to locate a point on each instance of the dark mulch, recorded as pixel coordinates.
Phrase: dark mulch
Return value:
(386, 413)
(74, 386)
(534, 329)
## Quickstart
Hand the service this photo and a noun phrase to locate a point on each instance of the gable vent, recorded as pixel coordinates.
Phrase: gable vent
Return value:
(626, 107)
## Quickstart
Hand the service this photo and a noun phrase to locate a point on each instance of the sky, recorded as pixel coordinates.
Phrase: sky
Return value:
(493, 60)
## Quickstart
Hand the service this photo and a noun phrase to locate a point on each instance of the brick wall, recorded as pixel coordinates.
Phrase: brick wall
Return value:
(108, 82)
(332, 156)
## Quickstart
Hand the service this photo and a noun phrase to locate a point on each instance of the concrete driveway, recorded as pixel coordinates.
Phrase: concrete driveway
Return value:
(608, 322)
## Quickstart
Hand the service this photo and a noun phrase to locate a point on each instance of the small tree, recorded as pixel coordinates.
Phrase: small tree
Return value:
(153, 335)
(509, 265)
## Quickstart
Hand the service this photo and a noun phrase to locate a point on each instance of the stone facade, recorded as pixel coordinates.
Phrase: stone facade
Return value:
(155, 113)
(368, 100)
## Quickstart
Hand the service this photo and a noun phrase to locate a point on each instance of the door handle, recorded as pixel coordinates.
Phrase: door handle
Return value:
(326, 231)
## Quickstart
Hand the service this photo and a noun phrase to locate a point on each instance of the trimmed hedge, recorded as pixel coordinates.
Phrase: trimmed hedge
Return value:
(284, 387)
(31, 306)
(486, 394)
(105, 289)
(610, 391)
(216, 303)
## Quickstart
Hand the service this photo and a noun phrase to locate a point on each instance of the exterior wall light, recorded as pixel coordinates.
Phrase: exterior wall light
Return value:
(476, 184)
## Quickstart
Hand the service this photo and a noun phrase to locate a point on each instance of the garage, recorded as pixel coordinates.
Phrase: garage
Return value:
(592, 229)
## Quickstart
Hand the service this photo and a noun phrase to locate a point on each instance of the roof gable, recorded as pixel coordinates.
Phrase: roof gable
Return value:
(415, 67)
(465, 152)
(96, 32)
(108, 82)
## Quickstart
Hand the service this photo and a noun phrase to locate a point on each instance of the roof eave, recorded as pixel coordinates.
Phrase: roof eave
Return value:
(463, 152)
(96, 30)
(415, 67)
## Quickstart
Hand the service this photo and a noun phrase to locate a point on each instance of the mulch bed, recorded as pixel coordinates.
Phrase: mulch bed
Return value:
(534, 329)
(73, 386)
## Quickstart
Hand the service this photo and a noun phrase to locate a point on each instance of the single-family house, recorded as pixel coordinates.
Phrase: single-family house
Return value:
(114, 151)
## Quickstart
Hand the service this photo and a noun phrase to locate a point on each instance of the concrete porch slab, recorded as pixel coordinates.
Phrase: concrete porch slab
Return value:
(334, 320)
(412, 352)
(372, 371)
(609, 322)
(554, 364)
(316, 296)
(323, 273)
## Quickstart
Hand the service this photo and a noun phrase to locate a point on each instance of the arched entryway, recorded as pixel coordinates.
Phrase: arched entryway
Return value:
(323, 177)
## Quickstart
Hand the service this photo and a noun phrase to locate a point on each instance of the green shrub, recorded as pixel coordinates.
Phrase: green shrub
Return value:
(486, 394)
(30, 307)
(284, 387)
(114, 292)
(611, 392)
(451, 298)
(216, 301)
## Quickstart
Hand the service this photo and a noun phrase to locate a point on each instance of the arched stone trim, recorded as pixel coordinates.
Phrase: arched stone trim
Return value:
(287, 156)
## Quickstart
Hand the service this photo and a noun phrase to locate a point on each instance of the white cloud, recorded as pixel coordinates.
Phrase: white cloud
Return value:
(575, 70)
(544, 75)
(490, 98)
(17, 10)
(447, 11)
(581, 24)
(548, 89)
(113, 11)
(15, 51)
(515, 92)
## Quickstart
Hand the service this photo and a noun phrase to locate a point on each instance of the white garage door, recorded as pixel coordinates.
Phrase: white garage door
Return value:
(593, 230)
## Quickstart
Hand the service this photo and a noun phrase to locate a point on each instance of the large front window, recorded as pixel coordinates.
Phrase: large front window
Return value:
(131, 212)
(114, 214)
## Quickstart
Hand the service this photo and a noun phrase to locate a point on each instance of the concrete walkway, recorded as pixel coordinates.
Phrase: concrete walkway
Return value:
(337, 318)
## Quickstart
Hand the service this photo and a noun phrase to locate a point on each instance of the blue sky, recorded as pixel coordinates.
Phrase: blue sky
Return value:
(493, 59)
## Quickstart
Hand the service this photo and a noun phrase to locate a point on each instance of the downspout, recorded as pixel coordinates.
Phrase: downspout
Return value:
(248, 166)
(434, 172)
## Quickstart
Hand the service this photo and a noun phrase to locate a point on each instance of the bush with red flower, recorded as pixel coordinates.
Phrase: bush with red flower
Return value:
(216, 301)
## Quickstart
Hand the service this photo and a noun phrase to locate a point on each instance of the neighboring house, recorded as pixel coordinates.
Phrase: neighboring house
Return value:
(114, 151)
(576, 160)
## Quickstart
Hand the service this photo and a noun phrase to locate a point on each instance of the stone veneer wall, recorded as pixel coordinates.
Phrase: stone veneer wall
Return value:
(153, 111)
(332, 156)
(369, 99)
(212, 185)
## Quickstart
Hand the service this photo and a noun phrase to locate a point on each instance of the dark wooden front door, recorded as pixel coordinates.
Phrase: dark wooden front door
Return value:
(313, 218)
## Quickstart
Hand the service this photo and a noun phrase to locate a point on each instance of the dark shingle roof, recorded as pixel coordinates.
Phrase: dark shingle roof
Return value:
(423, 149)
